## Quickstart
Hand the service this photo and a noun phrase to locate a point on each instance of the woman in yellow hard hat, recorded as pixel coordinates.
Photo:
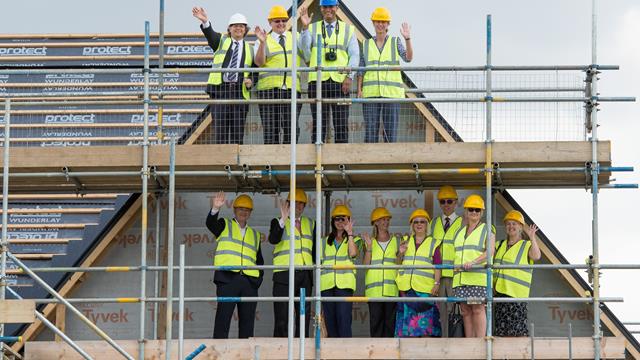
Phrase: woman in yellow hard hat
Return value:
(274, 50)
(381, 249)
(471, 249)
(510, 319)
(237, 244)
(340, 249)
(419, 319)
(383, 50)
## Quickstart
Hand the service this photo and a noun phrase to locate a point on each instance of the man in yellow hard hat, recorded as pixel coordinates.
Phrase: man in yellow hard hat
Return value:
(443, 230)
(274, 50)
(237, 244)
(231, 51)
(305, 249)
(383, 50)
(338, 47)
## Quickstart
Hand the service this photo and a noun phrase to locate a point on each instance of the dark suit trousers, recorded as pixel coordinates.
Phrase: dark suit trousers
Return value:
(331, 90)
(382, 319)
(337, 315)
(240, 286)
(228, 119)
(277, 116)
(303, 279)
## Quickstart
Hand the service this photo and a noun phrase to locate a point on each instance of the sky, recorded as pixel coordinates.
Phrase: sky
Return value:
(543, 32)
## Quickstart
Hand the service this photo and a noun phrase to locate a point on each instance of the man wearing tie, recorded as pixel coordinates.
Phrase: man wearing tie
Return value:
(338, 48)
(279, 235)
(231, 51)
(274, 50)
(444, 228)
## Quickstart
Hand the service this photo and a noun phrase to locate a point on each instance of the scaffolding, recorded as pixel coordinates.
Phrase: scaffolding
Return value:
(489, 173)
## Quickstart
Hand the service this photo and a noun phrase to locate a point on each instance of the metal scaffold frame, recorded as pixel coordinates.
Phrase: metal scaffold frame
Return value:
(591, 99)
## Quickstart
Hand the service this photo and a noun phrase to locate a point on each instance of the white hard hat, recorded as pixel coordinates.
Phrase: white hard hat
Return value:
(238, 19)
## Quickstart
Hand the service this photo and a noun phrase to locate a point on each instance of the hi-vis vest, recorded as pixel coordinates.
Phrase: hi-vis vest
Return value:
(234, 250)
(387, 84)
(468, 249)
(303, 244)
(275, 58)
(513, 282)
(215, 78)
(421, 280)
(339, 41)
(448, 251)
(339, 278)
(382, 282)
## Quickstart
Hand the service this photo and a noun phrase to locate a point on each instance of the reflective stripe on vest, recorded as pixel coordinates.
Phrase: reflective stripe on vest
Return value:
(234, 250)
(387, 84)
(513, 282)
(303, 245)
(447, 251)
(382, 282)
(421, 280)
(338, 42)
(275, 58)
(469, 248)
(215, 78)
(343, 278)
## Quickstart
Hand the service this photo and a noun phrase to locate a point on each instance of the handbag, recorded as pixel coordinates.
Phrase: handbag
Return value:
(456, 325)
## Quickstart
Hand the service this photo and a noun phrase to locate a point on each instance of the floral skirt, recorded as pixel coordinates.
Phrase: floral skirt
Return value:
(417, 319)
(510, 319)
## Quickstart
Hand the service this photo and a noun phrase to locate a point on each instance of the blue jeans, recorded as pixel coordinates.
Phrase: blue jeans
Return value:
(372, 113)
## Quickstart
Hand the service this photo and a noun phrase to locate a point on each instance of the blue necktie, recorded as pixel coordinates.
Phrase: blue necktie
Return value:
(235, 55)
(330, 29)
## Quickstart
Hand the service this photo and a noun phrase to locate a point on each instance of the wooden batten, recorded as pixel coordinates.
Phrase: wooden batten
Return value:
(17, 311)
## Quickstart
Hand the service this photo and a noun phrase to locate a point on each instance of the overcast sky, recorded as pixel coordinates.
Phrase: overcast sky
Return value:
(543, 32)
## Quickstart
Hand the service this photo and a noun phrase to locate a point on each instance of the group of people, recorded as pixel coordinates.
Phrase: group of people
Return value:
(459, 242)
(339, 47)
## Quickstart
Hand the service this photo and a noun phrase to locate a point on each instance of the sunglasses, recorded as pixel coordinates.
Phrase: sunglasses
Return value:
(278, 21)
(340, 219)
(474, 210)
(447, 201)
(420, 222)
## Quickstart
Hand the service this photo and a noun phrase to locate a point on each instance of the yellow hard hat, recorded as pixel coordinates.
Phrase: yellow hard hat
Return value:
(381, 14)
(474, 201)
(243, 201)
(514, 215)
(341, 210)
(447, 192)
(278, 12)
(300, 196)
(379, 213)
(419, 213)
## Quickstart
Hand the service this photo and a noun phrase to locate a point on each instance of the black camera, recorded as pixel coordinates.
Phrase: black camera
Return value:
(330, 56)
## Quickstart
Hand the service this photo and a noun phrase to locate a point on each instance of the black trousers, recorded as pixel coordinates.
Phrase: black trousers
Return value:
(382, 319)
(337, 315)
(228, 119)
(277, 116)
(303, 279)
(331, 90)
(241, 286)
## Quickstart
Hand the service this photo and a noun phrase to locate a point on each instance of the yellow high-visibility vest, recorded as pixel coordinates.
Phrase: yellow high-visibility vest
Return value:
(421, 280)
(338, 41)
(469, 248)
(382, 282)
(340, 278)
(448, 250)
(303, 244)
(275, 58)
(513, 282)
(233, 249)
(215, 78)
(387, 84)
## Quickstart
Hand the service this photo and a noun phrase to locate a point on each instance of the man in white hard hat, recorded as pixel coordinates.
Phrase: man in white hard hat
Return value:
(230, 52)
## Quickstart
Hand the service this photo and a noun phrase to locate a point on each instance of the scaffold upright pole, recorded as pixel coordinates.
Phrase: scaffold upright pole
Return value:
(595, 170)
(159, 130)
(5, 207)
(170, 236)
(489, 192)
(145, 195)
(318, 239)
